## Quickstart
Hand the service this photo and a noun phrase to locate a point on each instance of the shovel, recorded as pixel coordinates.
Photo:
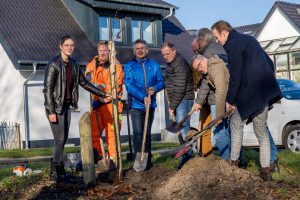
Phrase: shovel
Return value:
(175, 128)
(187, 146)
(106, 163)
(141, 158)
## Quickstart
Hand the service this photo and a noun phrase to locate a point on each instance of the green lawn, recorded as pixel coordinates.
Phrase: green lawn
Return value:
(289, 166)
(25, 153)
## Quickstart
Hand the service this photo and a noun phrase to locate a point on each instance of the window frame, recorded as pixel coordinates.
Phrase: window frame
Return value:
(110, 28)
(153, 32)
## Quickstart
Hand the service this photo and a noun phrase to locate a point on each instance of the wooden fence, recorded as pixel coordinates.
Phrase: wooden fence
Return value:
(10, 135)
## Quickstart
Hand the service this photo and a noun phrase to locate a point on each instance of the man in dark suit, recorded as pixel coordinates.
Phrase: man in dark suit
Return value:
(252, 89)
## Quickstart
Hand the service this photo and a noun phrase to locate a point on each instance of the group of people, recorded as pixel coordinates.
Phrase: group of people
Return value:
(236, 75)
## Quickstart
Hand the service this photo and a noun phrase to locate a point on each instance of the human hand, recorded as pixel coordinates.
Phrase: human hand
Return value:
(147, 101)
(52, 118)
(151, 90)
(108, 95)
(171, 112)
(230, 107)
(197, 106)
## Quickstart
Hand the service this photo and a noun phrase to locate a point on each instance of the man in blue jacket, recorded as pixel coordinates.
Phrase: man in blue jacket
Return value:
(252, 89)
(142, 77)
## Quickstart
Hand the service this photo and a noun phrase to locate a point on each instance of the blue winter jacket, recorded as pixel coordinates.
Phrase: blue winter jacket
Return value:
(134, 81)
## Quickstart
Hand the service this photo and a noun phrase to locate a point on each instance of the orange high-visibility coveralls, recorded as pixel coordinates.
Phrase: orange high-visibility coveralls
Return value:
(101, 76)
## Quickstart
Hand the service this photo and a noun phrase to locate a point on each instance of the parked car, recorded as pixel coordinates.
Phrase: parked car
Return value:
(283, 119)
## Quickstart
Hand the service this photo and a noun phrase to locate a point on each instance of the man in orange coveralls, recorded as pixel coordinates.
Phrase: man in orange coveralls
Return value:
(98, 72)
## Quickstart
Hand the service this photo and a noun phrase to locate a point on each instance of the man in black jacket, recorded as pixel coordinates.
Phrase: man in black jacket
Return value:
(252, 88)
(180, 90)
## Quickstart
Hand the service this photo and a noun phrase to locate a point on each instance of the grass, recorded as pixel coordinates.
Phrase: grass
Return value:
(289, 168)
(289, 164)
(25, 153)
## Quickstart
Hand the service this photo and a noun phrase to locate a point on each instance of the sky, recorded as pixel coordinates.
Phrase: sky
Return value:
(196, 14)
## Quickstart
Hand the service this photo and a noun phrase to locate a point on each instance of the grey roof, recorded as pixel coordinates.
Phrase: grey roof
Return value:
(174, 32)
(250, 29)
(292, 10)
(34, 33)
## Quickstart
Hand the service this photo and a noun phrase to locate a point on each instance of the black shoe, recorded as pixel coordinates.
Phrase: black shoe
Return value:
(265, 174)
(275, 166)
(183, 160)
(243, 164)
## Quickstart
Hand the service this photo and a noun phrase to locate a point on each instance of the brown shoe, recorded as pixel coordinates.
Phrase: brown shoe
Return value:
(265, 174)
(234, 162)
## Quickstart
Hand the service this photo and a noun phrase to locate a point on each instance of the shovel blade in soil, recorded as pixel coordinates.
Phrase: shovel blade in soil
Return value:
(182, 152)
(140, 162)
(174, 128)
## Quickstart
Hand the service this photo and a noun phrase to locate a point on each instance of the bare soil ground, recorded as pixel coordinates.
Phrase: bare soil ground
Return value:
(200, 178)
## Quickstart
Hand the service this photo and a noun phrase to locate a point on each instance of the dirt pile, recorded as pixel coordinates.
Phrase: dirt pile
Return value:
(210, 178)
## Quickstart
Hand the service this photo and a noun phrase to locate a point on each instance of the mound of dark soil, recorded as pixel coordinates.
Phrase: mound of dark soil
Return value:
(210, 178)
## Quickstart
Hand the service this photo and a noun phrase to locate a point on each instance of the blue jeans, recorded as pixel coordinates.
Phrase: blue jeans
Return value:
(182, 110)
(272, 147)
(138, 120)
(220, 137)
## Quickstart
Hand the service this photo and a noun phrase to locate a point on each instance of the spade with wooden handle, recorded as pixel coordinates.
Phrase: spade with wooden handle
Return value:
(187, 146)
(141, 158)
(175, 128)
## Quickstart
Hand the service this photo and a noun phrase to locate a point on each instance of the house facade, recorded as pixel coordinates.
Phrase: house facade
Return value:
(29, 35)
(279, 35)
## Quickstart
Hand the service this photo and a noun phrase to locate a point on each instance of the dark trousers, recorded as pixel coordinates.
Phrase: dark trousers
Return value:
(138, 119)
(60, 131)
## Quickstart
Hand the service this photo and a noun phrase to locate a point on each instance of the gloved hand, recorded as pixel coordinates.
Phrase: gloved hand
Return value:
(96, 104)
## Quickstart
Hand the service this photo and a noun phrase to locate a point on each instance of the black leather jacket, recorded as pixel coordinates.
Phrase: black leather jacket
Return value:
(55, 85)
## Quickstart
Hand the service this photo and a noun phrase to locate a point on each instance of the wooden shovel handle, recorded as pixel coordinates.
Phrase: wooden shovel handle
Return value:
(145, 128)
(186, 117)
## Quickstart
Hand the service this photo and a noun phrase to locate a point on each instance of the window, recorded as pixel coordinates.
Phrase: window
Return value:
(103, 24)
(147, 32)
(142, 30)
(135, 29)
(282, 66)
(110, 29)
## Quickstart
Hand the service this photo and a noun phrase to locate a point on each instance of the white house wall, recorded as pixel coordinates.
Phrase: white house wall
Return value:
(11, 101)
(39, 126)
(277, 27)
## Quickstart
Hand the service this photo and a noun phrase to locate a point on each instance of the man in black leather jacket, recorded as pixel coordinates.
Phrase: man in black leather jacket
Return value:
(62, 78)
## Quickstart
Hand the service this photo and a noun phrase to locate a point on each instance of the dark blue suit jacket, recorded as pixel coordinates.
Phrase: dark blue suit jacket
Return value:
(252, 82)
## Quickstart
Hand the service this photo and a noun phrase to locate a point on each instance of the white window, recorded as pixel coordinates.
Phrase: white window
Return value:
(110, 29)
(135, 29)
(104, 31)
(147, 32)
(142, 30)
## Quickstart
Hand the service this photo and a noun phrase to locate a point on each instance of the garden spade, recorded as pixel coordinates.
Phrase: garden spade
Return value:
(141, 158)
(106, 163)
(187, 146)
(175, 128)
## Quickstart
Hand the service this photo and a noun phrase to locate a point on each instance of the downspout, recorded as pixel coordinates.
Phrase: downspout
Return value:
(25, 95)
(171, 13)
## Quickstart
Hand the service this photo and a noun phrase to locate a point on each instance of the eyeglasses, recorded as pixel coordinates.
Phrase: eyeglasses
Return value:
(69, 45)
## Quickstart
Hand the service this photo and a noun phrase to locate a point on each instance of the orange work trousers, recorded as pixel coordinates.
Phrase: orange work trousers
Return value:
(204, 140)
(105, 120)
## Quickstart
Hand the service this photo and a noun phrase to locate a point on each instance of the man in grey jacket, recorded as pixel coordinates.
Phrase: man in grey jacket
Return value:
(217, 79)
(220, 137)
